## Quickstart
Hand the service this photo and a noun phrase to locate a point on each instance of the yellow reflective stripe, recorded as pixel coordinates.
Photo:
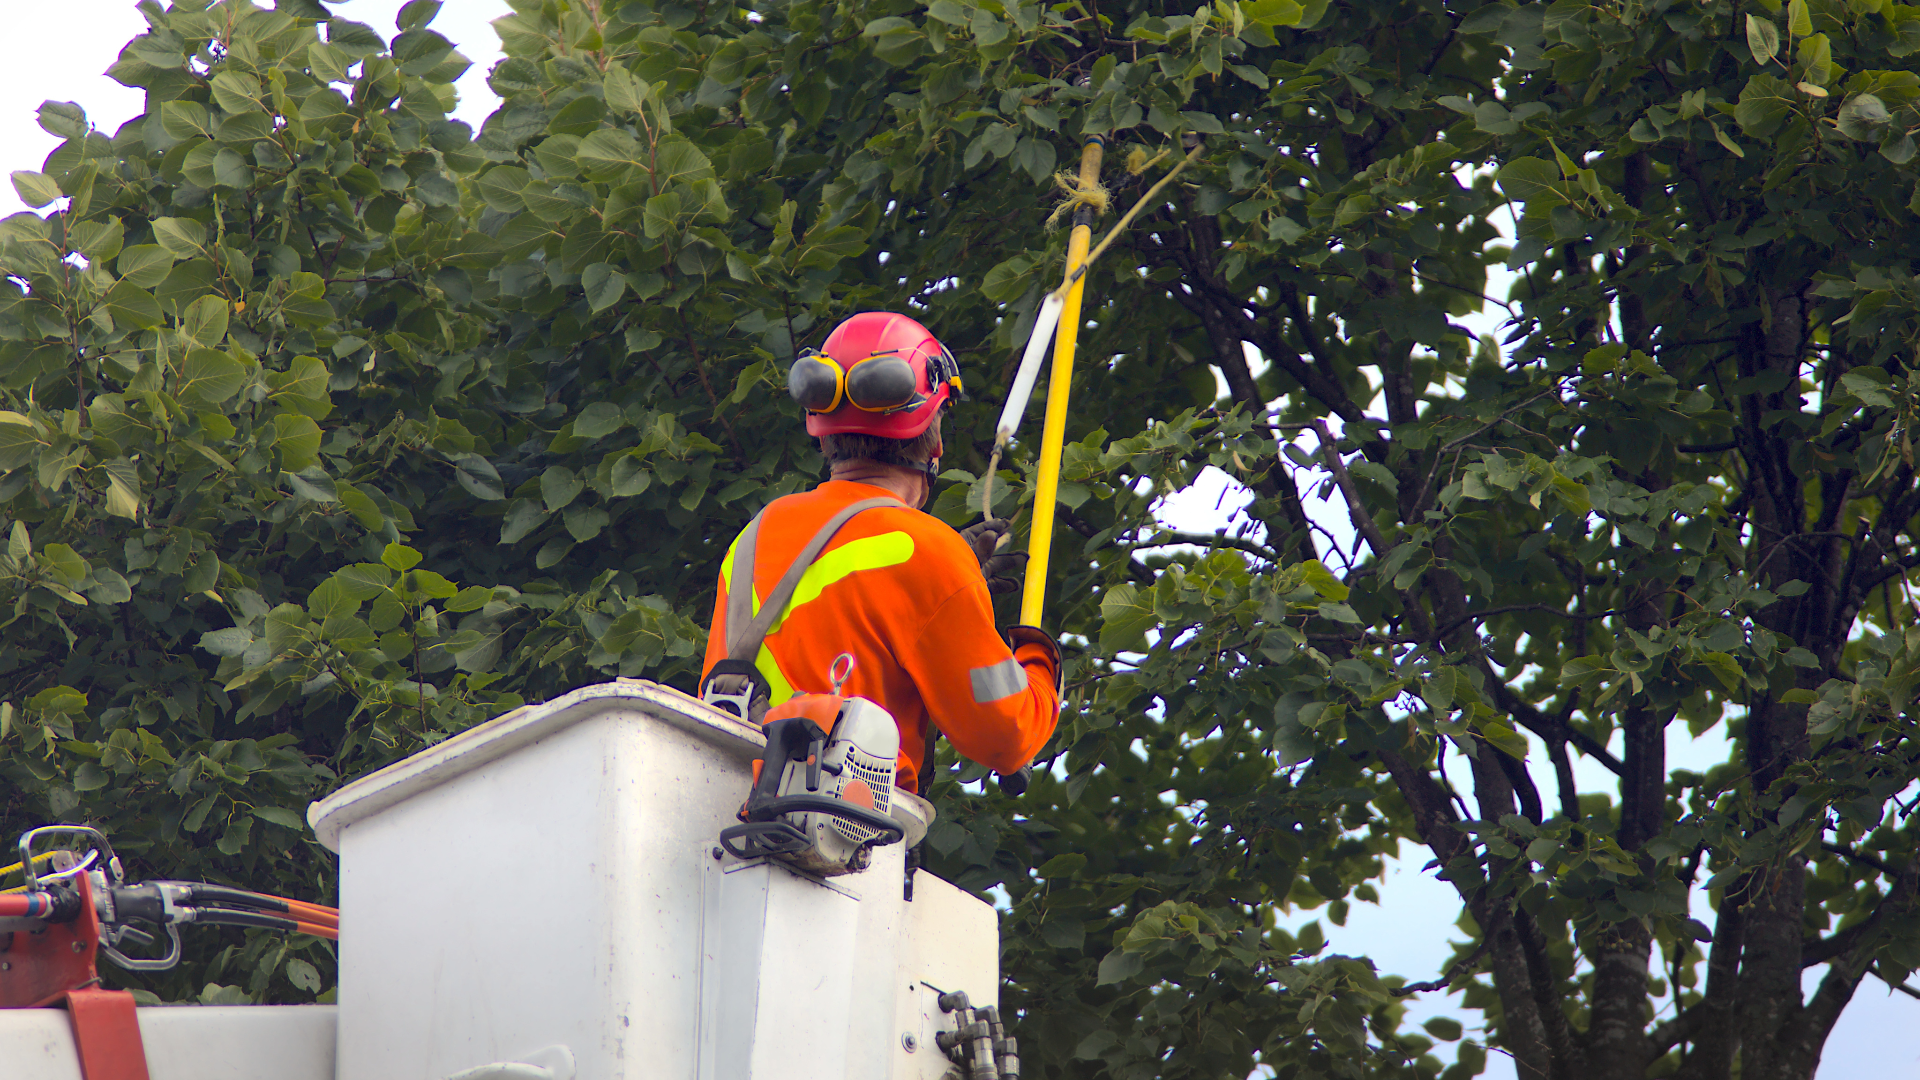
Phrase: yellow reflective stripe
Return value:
(866, 553)
(778, 687)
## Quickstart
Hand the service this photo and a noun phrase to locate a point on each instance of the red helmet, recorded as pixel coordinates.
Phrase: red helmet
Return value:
(879, 373)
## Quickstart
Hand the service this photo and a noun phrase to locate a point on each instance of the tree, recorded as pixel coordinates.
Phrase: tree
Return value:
(334, 429)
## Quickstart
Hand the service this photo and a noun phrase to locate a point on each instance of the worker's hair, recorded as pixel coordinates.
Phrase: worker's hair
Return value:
(912, 453)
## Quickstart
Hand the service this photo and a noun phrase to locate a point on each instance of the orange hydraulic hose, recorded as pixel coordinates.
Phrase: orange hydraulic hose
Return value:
(313, 913)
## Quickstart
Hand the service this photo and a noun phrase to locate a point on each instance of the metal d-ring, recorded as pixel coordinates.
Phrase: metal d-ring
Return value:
(841, 671)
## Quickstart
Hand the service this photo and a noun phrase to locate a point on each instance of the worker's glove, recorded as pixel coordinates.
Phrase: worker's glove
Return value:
(1002, 569)
(1030, 644)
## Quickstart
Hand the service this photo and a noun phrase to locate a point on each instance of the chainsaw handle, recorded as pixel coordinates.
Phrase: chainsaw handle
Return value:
(892, 832)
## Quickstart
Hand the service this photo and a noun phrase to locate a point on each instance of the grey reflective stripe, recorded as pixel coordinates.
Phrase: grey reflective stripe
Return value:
(740, 595)
(1002, 680)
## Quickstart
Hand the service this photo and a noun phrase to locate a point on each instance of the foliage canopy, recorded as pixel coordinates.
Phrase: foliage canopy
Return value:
(332, 427)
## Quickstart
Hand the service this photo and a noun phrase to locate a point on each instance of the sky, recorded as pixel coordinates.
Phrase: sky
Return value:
(1406, 934)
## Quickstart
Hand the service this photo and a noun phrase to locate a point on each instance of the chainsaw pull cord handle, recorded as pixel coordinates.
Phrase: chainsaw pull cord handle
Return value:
(747, 631)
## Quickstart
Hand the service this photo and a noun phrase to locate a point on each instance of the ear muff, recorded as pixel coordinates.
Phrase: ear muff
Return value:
(882, 383)
(816, 382)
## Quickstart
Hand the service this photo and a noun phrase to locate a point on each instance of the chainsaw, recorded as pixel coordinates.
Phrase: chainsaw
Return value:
(823, 787)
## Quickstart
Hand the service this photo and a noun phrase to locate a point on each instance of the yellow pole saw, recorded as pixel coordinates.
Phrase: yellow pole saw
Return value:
(1059, 319)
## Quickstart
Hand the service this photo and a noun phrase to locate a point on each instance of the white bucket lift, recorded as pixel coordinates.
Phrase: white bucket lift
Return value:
(543, 897)
(547, 887)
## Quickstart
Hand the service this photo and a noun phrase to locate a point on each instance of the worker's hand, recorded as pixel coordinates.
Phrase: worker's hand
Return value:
(1002, 569)
(1032, 645)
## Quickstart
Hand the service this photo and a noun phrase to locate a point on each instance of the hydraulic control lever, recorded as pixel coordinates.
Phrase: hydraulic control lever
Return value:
(84, 893)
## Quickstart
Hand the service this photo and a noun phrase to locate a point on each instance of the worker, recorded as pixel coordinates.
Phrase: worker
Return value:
(899, 589)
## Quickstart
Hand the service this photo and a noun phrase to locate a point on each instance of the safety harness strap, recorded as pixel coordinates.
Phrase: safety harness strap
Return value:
(747, 631)
(734, 683)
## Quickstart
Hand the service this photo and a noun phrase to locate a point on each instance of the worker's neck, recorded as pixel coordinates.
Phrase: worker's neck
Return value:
(908, 485)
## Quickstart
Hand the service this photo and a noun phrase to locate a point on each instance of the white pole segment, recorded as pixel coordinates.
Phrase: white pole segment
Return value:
(1043, 325)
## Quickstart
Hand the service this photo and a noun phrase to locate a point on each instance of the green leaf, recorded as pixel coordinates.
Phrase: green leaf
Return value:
(1815, 54)
(64, 561)
(1315, 575)
(420, 51)
(64, 119)
(559, 486)
(1273, 12)
(471, 598)
(1339, 613)
(1204, 123)
(61, 700)
(204, 322)
(330, 600)
(1763, 107)
(1125, 617)
(607, 148)
(132, 306)
(35, 189)
(234, 92)
(431, 585)
(99, 241)
(523, 517)
(1006, 280)
(145, 265)
(301, 974)
(109, 586)
(123, 488)
(603, 285)
(286, 819)
(298, 440)
(354, 39)
(229, 642)
(1531, 179)
(238, 833)
(478, 476)
(364, 581)
(1118, 966)
(182, 237)
(1763, 38)
(1863, 117)
(184, 120)
(1509, 741)
(1063, 865)
(1291, 743)
(20, 440)
(552, 553)
(400, 557)
(597, 420)
(90, 777)
(624, 92)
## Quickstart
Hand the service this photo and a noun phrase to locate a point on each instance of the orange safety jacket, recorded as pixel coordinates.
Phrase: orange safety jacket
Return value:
(902, 592)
